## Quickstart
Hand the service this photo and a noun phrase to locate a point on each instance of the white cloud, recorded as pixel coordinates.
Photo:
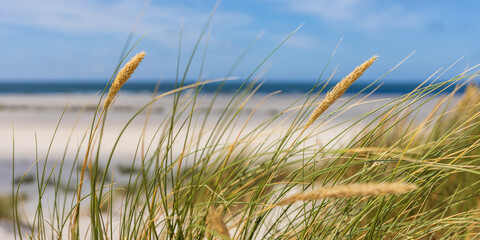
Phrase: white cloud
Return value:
(367, 15)
(87, 17)
(66, 16)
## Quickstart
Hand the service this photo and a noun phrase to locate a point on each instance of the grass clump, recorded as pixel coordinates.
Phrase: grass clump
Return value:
(203, 174)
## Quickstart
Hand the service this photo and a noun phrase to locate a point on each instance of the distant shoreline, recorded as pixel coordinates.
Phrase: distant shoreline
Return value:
(292, 87)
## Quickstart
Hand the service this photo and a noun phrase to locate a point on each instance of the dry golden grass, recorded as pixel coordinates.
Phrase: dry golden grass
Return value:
(215, 222)
(350, 190)
(339, 90)
(122, 76)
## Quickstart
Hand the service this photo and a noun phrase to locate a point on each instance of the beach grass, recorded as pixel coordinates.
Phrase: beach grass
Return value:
(386, 175)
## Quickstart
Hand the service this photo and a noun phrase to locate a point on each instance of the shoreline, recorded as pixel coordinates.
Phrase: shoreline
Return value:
(39, 120)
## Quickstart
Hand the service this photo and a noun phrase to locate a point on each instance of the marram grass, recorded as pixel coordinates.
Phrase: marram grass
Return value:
(350, 190)
(215, 222)
(392, 176)
(122, 76)
(339, 90)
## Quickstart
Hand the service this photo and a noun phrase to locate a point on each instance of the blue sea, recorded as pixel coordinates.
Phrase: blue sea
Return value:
(292, 87)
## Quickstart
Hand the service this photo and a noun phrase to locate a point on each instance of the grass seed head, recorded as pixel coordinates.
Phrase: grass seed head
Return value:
(338, 90)
(350, 190)
(122, 76)
(215, 222)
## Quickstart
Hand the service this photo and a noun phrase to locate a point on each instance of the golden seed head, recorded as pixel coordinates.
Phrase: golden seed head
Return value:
(122, 76)
(338, 90)
(215, 222)
(350, 190)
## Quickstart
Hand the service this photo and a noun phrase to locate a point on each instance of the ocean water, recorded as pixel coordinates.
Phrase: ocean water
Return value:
(299, 87)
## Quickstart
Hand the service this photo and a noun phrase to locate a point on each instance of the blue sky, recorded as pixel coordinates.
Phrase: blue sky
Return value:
(73, 40)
